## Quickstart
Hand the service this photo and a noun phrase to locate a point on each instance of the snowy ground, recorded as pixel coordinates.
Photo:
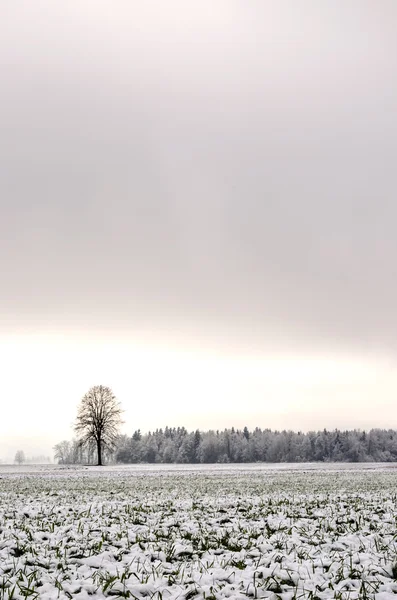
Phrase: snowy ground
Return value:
(199, 532)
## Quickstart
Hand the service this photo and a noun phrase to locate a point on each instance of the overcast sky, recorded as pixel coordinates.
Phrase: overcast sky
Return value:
(199, 209)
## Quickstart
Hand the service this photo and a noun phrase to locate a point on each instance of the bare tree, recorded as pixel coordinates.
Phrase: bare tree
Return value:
(62, 452)
(98, 419)
(20, 457)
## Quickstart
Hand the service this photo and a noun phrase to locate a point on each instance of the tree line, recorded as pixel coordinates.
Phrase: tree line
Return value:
(98, 440)
(177, 445)
(20, 459)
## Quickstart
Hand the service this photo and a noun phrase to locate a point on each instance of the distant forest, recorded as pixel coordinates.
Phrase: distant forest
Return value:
(177, 445)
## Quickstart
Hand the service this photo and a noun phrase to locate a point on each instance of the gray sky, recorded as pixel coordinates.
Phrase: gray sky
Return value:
(210, 182)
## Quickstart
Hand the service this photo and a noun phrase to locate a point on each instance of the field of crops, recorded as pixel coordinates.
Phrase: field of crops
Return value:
(198, 534)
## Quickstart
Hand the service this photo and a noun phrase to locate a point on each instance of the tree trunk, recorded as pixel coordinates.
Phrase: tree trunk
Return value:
(99, 450)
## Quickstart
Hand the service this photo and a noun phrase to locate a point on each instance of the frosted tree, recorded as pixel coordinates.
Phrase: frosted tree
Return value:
(20, 457)
(98, 420)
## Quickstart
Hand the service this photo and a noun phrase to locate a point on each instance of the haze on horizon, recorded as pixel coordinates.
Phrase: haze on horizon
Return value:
(198, 209)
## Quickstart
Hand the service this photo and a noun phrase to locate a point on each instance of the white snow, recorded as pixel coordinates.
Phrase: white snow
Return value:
(199, 532)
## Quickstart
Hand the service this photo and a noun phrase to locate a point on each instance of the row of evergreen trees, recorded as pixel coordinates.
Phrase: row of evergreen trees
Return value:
(177, 445)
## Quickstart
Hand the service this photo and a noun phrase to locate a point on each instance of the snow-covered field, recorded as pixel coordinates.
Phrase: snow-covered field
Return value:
(285, 531)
